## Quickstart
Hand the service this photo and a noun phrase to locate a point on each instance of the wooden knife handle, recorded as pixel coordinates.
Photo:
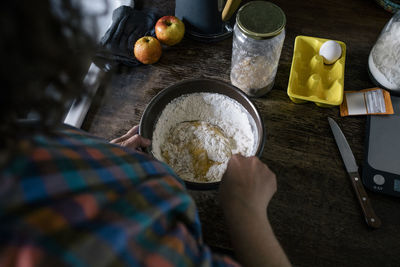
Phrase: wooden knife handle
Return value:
(370, 216)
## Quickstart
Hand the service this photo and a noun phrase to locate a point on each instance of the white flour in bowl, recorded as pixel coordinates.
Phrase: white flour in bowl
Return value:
(197, 133)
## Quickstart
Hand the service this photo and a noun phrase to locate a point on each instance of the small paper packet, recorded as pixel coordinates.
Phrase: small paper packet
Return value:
(372, 101)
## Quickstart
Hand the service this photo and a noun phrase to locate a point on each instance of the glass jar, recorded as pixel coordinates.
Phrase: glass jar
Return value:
(258, 37)
(384, 58)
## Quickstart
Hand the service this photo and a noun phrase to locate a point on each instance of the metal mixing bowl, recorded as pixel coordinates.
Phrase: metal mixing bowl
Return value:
(163, 98)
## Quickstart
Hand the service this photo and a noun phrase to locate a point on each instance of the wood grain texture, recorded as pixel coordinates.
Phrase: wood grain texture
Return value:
(315, 213)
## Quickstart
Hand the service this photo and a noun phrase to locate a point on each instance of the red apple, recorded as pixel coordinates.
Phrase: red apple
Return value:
(147, 50)
(170, 30)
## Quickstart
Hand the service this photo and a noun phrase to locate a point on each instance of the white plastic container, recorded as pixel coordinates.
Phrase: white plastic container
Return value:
(384, 58)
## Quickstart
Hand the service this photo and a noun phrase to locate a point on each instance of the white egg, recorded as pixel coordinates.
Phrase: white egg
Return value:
(330, 51)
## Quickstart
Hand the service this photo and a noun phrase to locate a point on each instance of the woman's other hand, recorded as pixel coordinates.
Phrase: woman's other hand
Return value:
(132, 139)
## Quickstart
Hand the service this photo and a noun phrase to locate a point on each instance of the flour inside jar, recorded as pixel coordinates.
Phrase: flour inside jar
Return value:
(196, 134)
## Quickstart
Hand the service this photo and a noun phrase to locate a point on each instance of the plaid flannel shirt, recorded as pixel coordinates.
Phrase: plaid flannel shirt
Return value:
(74, 200)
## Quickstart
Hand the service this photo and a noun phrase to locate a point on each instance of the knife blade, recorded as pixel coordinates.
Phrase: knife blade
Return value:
(352, 169)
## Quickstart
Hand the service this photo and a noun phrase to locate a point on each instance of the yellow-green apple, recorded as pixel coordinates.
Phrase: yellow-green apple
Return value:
(170, 30)
(147, 50)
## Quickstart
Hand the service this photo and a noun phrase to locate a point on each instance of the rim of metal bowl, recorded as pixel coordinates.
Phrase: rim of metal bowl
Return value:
(172, 92)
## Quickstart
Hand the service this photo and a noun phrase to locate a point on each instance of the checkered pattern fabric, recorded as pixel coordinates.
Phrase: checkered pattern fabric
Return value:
(71, 199)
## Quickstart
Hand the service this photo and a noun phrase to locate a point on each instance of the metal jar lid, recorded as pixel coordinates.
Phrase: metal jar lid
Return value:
(261, 19)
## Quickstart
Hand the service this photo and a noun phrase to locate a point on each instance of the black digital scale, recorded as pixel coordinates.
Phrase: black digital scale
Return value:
(381, 169)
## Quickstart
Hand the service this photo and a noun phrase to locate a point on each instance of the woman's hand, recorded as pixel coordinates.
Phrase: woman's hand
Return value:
(132, 139)
(245, 191)
(247, 183)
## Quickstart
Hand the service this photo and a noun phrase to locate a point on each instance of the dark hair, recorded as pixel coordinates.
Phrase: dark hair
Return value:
(45, 54)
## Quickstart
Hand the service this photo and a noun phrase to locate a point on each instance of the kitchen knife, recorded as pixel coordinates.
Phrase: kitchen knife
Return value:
(352, 169)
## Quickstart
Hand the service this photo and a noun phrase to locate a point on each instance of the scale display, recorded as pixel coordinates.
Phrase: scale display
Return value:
(381, 170)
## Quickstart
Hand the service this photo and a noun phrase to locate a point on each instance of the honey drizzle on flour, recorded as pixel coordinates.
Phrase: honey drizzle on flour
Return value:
(193, 150)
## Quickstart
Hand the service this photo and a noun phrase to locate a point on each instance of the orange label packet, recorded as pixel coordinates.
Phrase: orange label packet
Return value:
(372, 101)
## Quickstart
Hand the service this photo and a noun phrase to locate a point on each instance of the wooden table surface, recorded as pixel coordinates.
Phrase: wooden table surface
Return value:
(314, 213)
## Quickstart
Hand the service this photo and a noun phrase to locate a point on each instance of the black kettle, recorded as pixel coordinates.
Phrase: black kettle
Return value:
(206, 20)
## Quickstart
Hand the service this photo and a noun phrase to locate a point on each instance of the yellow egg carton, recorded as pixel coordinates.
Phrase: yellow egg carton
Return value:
(312, 80)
